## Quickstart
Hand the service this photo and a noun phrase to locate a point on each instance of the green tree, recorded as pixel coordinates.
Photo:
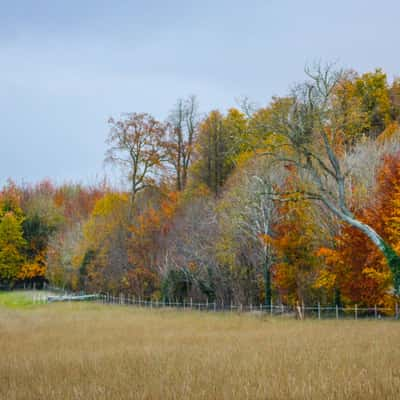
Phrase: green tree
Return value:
(221, 140)
(373, 90)
(102, 255)
(395, 99)
(12, 245)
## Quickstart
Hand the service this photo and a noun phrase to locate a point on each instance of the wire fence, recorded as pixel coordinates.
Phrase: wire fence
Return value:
(296, 311)
(300, 312)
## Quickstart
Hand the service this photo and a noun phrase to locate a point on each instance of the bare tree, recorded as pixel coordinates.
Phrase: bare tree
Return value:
(257, 220)
(252, 215)
(311, 144)
(136, 143)
(191, 250)
(183, 124)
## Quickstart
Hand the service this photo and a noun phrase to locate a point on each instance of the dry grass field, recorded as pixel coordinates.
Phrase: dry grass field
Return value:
(90, 351)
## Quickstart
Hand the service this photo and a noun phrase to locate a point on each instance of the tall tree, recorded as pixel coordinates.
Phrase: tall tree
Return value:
(221, 139)
(103, 252)
(12, 245)
(312, 146)
(182, 131)
(373, 90)
(248, 218)
(394, 93)
(296, 241)
(135, 143)
(211, 149)
(355, 265)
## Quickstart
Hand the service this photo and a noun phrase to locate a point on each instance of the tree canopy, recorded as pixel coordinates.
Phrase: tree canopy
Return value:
(294, 201)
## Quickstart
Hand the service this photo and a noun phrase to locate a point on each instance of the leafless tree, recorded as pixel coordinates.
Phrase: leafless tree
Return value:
(183, 124)
(253, 215)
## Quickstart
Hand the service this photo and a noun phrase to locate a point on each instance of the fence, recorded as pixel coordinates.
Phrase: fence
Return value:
(300, 311)
(54, 294)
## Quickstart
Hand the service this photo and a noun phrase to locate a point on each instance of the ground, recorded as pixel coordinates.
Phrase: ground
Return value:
(92, 351)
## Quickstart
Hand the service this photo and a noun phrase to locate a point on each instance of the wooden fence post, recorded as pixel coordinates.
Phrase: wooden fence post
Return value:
(319, 310)
(356, 312)
(299, 311)
(375, 312)
(337, 312)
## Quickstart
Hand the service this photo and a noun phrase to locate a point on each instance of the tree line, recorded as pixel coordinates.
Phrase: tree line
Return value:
(297, 201)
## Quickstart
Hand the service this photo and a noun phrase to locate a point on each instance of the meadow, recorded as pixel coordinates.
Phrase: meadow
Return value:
(93, 351)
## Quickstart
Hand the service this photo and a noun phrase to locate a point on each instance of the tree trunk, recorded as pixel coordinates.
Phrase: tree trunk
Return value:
(394, 264)
(338, 297)
(392, 258)
(267, 283)
(390, 255)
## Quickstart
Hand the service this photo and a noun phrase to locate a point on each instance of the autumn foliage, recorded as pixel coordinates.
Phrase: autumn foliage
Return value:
(199, 216)
(354, 265)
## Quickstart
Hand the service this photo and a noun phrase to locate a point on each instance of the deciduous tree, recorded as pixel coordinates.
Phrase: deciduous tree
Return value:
(135, 143)
(12, 246)
(182, 130)
(314, 148)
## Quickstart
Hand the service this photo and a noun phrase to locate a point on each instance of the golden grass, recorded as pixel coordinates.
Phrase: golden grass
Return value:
(89, 351)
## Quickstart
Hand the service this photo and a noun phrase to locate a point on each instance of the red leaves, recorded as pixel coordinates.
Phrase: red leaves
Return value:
(150, 228)
(360, 269)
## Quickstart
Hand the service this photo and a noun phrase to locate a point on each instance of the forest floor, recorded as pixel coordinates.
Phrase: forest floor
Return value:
(91, 351)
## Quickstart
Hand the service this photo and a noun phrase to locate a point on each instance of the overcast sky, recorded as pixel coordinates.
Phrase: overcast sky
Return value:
(66, 66)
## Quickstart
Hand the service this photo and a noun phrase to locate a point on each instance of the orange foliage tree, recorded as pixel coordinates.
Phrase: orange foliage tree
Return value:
(147, 243)
(354, 265)
(296, 244)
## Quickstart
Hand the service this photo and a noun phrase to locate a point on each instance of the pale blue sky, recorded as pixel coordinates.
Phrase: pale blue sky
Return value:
(66, 66)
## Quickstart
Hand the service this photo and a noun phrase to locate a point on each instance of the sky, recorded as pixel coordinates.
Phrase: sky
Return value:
(67, 66)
